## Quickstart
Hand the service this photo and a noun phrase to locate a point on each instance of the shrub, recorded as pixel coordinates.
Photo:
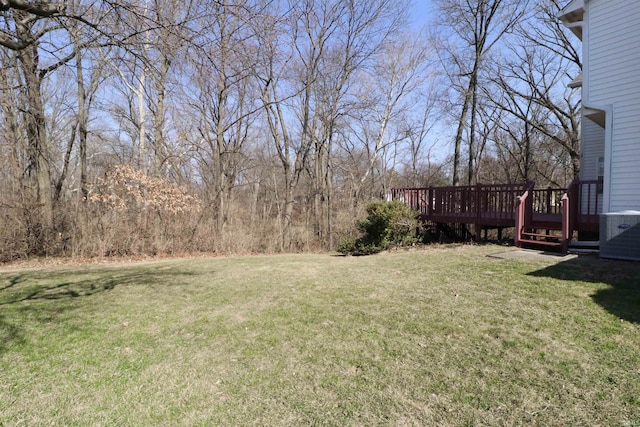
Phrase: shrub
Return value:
(387, 224)
(132, 213)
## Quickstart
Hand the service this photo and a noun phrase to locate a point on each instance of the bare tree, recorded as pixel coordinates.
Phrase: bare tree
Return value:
(273, 75)
(49, 39)
(90, 66)
(400, 69)
(310, 58)
(26, 32)
(361, 31)
(531, 86)
(224, 100)
(417, 125)
(477, 26)
(26, 13)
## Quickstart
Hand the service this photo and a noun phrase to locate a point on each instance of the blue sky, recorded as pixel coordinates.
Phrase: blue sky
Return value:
(421, 12)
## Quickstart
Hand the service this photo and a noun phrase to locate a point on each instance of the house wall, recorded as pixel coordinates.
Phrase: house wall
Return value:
(591, 149)
(612, 80)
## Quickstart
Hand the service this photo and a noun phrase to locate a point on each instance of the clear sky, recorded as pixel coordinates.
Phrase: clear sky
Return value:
(421, 12)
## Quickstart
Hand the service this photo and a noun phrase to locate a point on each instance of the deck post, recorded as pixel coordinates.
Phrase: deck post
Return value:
(519, 220)
(478, 213)
(566, 227)
(573, 196)
(523, 212)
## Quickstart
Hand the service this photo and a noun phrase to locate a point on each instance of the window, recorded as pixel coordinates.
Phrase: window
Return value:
(600, 174)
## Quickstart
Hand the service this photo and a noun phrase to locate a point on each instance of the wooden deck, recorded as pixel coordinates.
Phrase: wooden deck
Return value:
(487, 205)
(509, 205)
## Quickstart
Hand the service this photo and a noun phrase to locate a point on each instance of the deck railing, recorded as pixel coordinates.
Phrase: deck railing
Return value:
(567, 231)
(496, 201)
(585, 204)
(508, 205)
(418, 199)
(454, 201)
(499, 200)
(547, 201)
(523, 212)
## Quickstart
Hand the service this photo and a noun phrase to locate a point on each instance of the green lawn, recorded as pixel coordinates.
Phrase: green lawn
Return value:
(443, 336)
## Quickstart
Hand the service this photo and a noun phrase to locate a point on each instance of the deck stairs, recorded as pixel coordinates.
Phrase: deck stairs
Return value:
(551, 239)
(584, 247)
(550, 219)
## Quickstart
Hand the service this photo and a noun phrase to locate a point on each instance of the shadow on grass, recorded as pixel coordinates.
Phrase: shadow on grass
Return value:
(40, 285)
(621, 298)
(9, 333)
(43, 296)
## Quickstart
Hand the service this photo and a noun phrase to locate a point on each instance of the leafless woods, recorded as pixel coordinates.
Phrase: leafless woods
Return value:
(144, 127)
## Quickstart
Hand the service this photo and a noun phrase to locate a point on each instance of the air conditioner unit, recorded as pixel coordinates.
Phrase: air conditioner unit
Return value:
(620, 235)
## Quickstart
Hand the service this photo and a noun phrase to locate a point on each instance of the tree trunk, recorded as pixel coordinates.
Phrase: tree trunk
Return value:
(462, 123)
(159, 118)
(38, 149)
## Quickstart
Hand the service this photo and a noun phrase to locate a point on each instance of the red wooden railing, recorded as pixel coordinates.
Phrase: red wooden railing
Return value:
(506, 205)
(468, 204)
(547, 201)
(523, 212)
(566, 223)
(418, 199)
(499, 201)
(584, 205)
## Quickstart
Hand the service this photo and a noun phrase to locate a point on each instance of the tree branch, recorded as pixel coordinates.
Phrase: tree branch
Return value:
(39, 8)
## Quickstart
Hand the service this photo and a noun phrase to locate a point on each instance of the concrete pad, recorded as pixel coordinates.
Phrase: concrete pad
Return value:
(533, 255)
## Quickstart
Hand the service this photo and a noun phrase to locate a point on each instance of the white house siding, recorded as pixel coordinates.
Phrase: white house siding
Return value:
(591, 148)
(613, 81)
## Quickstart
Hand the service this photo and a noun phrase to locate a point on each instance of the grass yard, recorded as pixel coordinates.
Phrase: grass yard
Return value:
(444, 336)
